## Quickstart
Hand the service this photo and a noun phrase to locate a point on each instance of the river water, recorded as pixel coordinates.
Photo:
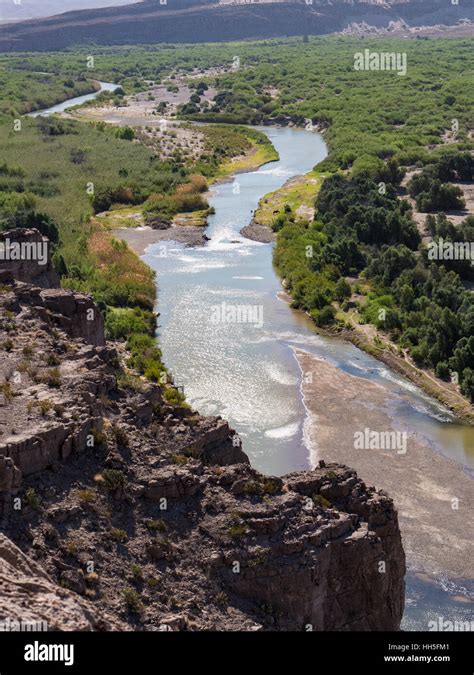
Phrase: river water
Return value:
(70, 103)
(247, 371)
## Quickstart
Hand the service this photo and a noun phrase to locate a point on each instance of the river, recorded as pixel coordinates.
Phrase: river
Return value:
(71, 102)
(248, 373)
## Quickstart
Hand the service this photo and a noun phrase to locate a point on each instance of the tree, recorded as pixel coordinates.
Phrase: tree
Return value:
(342, 291)
(407, 297)
(467, 383)
(325, 316)
(391, 263)
(442, 370)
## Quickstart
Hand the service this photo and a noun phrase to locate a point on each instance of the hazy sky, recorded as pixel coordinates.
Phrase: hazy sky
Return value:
(26, 9)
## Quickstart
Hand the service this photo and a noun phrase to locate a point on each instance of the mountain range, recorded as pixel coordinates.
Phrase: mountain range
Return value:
(191, 21)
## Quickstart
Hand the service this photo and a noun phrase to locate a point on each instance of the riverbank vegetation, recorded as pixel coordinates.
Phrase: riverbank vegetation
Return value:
(361, 234)
(232, 149)
(295, 199)
(25, 91)
(364, 251)
(364, 112)
(57, 174)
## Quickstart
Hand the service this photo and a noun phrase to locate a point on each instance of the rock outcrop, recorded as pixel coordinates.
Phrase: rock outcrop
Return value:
(157, 223)
(31, 601)
(150, 514)
(74, 313)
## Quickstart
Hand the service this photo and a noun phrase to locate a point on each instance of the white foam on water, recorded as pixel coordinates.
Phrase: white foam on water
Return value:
(277, 171)
(426, 410)
(280, 375)
(236, 294)
(363, 369)
(248, 278)
(311, 340)
(286, 431)
(266, 337)
(186, 258)
(197, 265)
(224, 238)
(290, 338)
(224, 246)
(405, 384)
(309, 420)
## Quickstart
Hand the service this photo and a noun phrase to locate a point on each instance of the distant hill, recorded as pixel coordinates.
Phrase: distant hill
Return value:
(213, 20)
(31, 9)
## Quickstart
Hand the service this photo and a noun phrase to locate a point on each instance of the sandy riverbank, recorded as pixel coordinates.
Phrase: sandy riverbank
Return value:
(443, 392)
(140, 238)
(438, 538)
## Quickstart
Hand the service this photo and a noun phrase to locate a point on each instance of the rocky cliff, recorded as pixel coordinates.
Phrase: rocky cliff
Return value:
(31, 600)
(121, 511)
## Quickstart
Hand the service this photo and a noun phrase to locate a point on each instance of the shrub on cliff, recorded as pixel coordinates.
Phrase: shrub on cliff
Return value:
(122, 323)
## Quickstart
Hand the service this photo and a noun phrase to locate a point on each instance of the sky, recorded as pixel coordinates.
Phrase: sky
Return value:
(16, 10)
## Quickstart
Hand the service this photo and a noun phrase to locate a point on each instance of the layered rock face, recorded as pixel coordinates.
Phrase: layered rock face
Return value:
(151, 516)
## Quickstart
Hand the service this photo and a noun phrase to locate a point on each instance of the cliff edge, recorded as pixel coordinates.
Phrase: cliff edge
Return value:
(126, 512)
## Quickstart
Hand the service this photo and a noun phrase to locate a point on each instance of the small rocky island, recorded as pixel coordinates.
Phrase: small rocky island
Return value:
(119, 511)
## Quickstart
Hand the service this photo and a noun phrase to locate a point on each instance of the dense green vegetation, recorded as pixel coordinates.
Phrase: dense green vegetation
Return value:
(379, 113)
(431, 188)
(363, 234)
(441, 228)
(224, 142)
(24, 91)
(71, 170)
(364, 240)
(186, 199)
